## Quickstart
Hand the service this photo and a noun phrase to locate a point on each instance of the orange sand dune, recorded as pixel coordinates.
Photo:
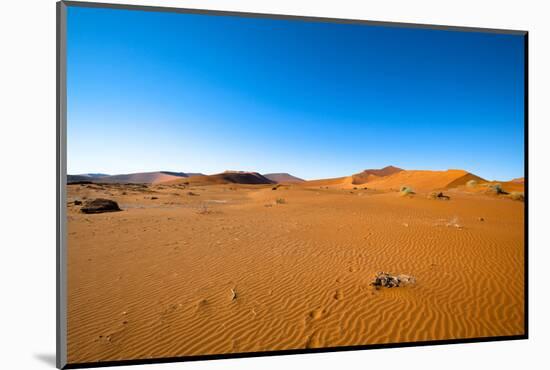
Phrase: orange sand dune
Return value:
(423, 180)
(372, 174)
(227, 177)
(142, 178)
(334, 182)
(283, 178)
(393, 178)
(198, 270)
(511, 186)
(156, 177)
(484, 187)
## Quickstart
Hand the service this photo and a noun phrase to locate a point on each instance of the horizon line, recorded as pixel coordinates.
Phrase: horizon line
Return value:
(283, 172)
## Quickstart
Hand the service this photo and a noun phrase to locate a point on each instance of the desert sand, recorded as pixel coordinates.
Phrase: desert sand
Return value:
(205, 265)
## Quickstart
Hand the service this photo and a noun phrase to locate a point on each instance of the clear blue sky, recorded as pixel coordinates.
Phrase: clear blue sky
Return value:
(152, 91)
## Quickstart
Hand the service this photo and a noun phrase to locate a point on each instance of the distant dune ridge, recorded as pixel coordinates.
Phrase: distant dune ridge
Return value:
(144, 177)
(132, 178)
(283, 178)
(227, 177)
(368, 175)
(94, 175)
(393, 178)
(425, 180)
(387, 178)
(85, 177)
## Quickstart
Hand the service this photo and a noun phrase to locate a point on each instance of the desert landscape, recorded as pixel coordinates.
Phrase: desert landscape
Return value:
(165, 264)
(241, 184)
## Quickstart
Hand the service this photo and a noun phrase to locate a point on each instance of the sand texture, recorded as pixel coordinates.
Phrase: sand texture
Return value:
(211, 267)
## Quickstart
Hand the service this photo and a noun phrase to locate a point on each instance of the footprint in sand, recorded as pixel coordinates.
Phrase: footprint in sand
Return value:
(201, 305)
(313, 341)
(110, 338)
(316, 314)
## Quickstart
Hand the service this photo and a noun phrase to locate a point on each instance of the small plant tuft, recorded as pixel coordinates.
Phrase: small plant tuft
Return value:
(438, 195)
(454, 222)
(204, 210)
(496, 189)
(406, 190)
(518, 195)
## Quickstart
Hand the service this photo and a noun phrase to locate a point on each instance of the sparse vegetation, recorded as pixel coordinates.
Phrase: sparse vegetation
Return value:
(438, 195)
(204, 210)
(406, 190)
(280, 201)
(454, 223)
(471, 184)
(496, 189)
(517, 195)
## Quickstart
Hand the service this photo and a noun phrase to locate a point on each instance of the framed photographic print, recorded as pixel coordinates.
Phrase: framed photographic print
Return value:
(235, 184)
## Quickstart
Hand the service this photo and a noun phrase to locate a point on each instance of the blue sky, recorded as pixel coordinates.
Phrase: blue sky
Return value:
(152, 91)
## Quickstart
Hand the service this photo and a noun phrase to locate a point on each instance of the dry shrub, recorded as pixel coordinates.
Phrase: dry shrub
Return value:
(518, 195)
(406, 190)
(471, 183)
